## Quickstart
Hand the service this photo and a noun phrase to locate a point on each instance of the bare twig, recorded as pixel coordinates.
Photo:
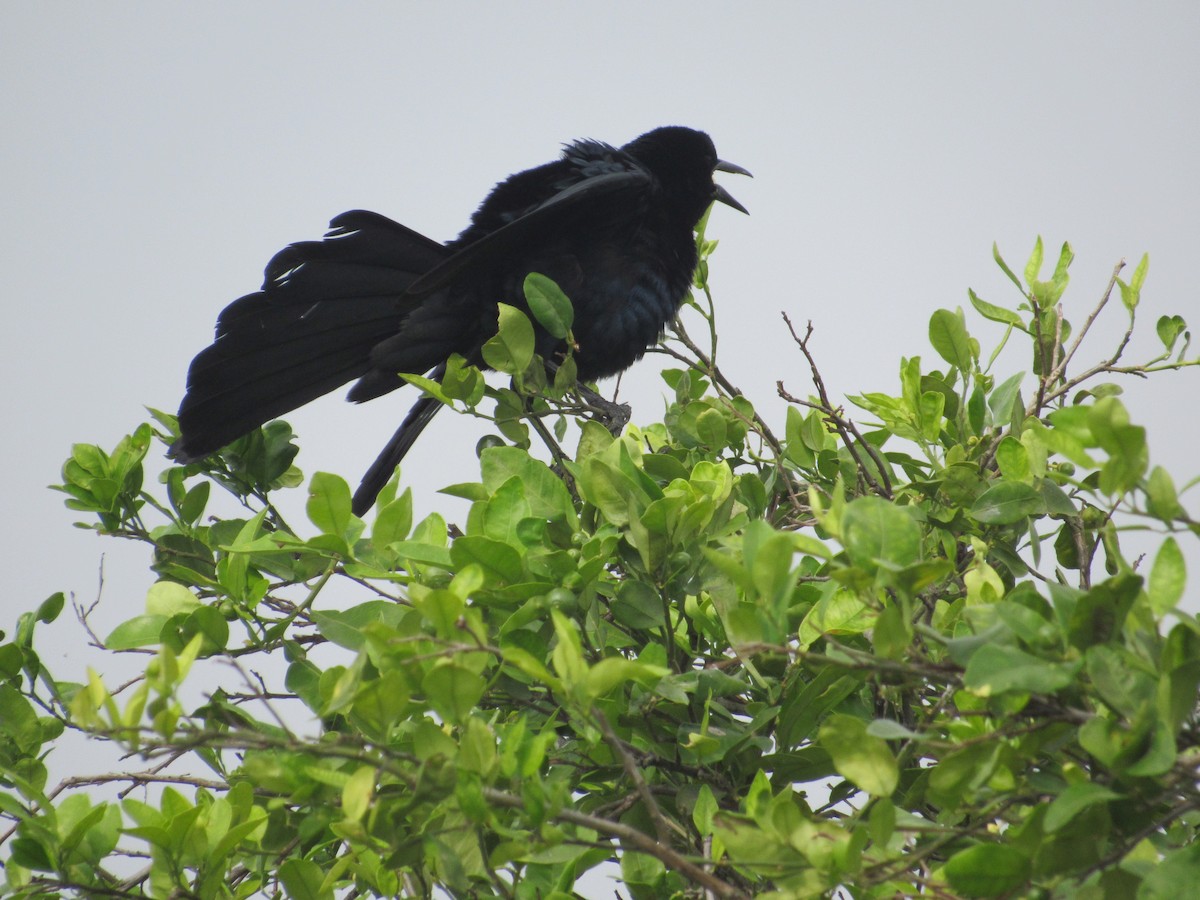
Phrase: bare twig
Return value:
(847, 430)
(1060, 370)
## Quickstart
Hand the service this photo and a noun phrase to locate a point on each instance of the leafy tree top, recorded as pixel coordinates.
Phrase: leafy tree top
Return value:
(905, 656)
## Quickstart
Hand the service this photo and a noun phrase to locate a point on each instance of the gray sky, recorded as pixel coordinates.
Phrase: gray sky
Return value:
(156, 155)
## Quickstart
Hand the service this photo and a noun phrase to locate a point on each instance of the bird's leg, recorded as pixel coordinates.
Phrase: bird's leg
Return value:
(612, 415)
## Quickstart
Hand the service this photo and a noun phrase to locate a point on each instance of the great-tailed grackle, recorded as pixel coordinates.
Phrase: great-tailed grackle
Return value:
(614, 227)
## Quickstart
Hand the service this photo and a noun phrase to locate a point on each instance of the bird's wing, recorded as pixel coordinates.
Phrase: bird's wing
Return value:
(595, 197)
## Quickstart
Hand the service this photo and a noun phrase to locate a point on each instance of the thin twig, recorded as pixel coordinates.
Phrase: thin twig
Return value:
(1060, 370)
(851, 437)
(662, 827)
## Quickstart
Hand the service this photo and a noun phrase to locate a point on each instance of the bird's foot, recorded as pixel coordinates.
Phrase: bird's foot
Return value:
(612, 415)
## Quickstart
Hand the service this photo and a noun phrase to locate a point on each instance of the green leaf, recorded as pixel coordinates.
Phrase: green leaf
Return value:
(1174, 877)
(1013, 460)
(995, 313)
(987, 870)
(880, 535)
(1159, 757)
(1168, 576)
(948, 335)
(615, 670)
(329, 503)
(429, 386)
(837, 612)
(607, 488)
(797, 450)
(1004, 267)
(549, 304)
(1055, 500)
(859, 757)
(881, 821)
(453, 690)
(1098, 616)
(140, 631)
(892, 633)
(462, 381)
(303, 880)
(1005, 400)
(1128, 456)
(1073, 800)
(194, 502)
(1169, 328)
(706, 807)
(637, 605)
(963, 772)
(357, 793)
(50, 608)
(1131, 293)
(999, 669)
(166, 598)
(31, 854)
(394, 521)
(18, 722)
(499, 560)
(1162, 500)
(420, 552)
(511, 349)
(642, 870)
(547, 496)
(1033, 267)
(710, 428)
(891, 730)
(344, 627)
(1006, 502)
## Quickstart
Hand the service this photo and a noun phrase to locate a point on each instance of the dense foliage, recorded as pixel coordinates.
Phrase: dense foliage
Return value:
(902, 658)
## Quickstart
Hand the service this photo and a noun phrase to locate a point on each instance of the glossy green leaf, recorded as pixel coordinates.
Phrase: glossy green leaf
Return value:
(549, 304)
(997, 669)
(880, 535)
(1004, 267)
(511, 349)
(329, 503)
(394, 521)
(453, 690)
(1174, 877)
(987, 870)
(948, 335)
(140, 631)
(303, 880)
(500, 560)
(1073, 800)
(1162, 500)
(1131, 291)
(166, 598)
(1169, 329)
(1168, 576)
(995, 313)
(859, 757)
(357, 793)
(1006, 502)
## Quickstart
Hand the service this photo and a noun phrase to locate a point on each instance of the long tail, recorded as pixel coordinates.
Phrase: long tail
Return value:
(385, 464)
(310, 329)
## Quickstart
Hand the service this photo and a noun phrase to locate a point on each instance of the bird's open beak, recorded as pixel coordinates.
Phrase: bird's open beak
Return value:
(719, 193)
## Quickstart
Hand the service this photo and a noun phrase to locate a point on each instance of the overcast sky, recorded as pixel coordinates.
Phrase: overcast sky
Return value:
(156, 155)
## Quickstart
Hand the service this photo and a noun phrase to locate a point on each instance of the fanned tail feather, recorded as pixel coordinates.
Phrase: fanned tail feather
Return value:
(310, 329)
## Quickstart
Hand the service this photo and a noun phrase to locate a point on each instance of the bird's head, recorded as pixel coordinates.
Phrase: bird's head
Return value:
(684, 161)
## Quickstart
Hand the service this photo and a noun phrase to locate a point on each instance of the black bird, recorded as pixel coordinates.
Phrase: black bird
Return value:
(612, 226)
